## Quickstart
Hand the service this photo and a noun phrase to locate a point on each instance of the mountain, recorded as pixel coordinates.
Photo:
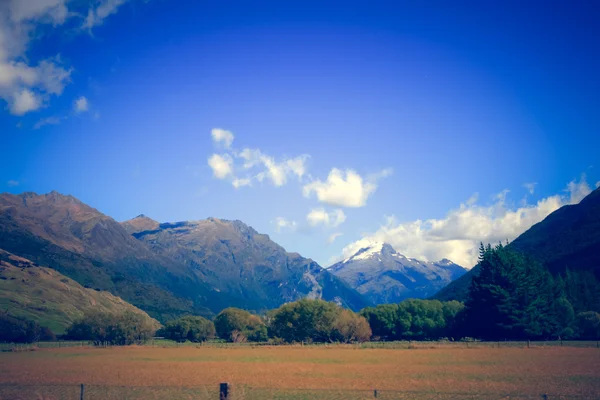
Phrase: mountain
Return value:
(167, 270)
(78, 241)
(44, 295)
(247, 267)
(567, 238)
(139, 224)
(383, 275)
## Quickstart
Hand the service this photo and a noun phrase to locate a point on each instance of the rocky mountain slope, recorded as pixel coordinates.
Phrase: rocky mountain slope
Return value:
(44, 295)
(383, 275)
(248, 267)
(567, 238)
(64, 234)
(167, 270)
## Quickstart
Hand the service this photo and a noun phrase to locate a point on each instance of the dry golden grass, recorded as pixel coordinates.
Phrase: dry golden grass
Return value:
(505, 371)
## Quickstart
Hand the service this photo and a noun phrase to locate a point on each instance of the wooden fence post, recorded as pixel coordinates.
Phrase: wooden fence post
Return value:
(82, 391)
(224, 391)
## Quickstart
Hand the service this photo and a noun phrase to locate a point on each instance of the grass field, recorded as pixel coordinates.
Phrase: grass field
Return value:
(295, 372)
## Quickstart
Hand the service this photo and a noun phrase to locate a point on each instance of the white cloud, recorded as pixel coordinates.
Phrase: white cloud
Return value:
(55, 11)
(102, 9)
(25, 101)
(222, 136)
(47, 121)
(222, 165)
(329, 219)
(457, 236)
(81, 105)
(276, 171)
(256, 165)
(344, 188)
(237, 182)
(334, 236)
(530, 187)
(27, 85)
(284, 224)
(12, 183)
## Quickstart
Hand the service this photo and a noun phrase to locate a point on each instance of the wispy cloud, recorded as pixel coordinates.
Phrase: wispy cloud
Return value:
(458, 234)
(244, 167)
(530, 187)
(12, 183)
(47, 121)
(99, 11)
(333, 236)
(283, 224)
(319, 216)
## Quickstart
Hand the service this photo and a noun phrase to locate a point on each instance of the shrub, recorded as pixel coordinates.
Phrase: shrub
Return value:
(118, 329)
(192, 328)
(234, 319)
(20, 330)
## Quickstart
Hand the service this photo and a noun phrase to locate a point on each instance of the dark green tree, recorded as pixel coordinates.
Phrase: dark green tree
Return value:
(117, 329)
(382, 320)
(192, 328)
(510, 298)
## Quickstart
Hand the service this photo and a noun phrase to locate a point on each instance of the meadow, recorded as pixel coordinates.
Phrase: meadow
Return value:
(302, 372)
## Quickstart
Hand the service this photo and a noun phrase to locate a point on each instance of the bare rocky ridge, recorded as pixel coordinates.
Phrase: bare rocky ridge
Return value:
(248, 267)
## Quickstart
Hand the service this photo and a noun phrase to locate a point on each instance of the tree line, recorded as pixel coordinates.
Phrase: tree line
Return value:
(513, 297)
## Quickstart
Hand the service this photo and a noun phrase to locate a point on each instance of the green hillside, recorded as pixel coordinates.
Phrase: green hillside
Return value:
(48, 297)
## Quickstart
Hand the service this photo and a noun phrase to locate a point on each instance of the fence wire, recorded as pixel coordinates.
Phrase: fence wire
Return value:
(242, 392)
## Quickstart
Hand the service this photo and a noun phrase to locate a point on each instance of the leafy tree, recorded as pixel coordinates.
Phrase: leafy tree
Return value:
(19, 330)
(383, 320)
(351, 327)
(118, 329)
(236, 322)
(192, 328)
(414, 319)
(305, 320)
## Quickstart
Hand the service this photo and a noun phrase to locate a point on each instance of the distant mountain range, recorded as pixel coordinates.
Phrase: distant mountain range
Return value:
(383, 275)
(167, 269)
(567, 238)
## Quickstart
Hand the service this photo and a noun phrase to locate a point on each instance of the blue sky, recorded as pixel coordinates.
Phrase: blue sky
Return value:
(416, 123)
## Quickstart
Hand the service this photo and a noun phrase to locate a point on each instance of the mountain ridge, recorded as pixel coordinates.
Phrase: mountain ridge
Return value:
(93, 249)
(567, 238)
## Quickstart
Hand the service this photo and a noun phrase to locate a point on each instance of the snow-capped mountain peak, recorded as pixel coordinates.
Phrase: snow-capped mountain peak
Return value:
(372, 250)
(385, 276)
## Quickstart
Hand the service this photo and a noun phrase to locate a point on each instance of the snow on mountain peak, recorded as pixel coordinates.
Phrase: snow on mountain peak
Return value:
(367, 252)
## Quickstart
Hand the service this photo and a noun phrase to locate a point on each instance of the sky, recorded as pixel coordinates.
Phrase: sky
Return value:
(326, 125)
